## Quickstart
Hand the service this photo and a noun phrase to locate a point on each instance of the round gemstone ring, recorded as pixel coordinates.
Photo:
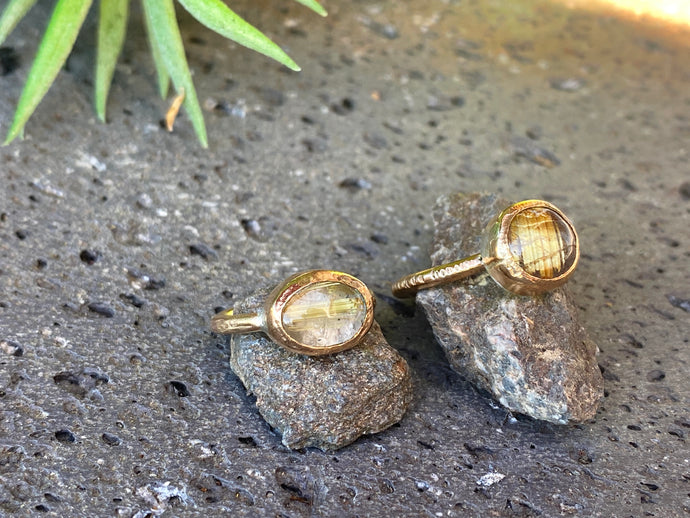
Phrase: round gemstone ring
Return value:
(529, 248)
(316, 312)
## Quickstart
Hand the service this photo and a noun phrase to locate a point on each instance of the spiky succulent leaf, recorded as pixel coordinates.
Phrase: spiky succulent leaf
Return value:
(166, 34)
(314, 6)
(217, 16)
(57, 42)
(14, 11)
(161, 70)
(112, 26)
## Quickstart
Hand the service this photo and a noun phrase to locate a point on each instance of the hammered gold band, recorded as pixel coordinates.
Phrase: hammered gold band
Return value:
(455, 271)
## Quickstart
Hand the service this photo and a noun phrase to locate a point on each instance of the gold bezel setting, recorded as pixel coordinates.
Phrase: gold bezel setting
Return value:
(505, 268)
(269, 318)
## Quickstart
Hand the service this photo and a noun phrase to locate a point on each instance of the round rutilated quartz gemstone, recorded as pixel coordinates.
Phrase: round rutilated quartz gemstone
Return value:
(324, 314)
(542, 242)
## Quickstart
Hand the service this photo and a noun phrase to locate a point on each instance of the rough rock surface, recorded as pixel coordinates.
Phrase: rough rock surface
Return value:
(326, 402)
(531, 353)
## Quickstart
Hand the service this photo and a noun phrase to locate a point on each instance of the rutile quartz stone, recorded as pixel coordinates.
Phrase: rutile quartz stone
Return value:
(326, 401)
(530, 352)
(542, 241)
(324, 314)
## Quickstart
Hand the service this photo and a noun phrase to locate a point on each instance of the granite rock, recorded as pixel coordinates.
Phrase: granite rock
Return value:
(325, 402)
(530, 352)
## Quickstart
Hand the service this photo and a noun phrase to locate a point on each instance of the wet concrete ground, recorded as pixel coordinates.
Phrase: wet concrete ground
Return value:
(118, 242)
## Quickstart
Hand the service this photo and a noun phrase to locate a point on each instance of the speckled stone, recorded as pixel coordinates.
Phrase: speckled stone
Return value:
(325, 402)
(530, 352)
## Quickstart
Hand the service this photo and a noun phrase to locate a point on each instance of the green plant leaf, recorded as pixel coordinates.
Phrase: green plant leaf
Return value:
(112, 25)
(161, 71)
(14, 11)
(314, 6)
(55, 46)
(217, 16)
(166, 34)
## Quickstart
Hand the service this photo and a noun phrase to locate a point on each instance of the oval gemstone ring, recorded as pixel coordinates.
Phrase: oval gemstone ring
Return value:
(529, 248)
(316, 312)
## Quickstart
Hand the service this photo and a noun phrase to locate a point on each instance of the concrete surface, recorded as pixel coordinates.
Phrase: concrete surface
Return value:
(118, 241)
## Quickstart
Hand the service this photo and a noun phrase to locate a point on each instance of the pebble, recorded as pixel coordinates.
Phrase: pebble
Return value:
(180, 388)
(203, 251)
(252, 227)
(132, 299)
(490, 479)
(110, 439)
(65, 436)
(144, 201)
(11, 347)
(143, 280)
(90, 256)
(102, 309)
(355, 184)
(381, 239)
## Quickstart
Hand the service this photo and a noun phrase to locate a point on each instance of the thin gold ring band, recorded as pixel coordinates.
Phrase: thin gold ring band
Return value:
(436, 275)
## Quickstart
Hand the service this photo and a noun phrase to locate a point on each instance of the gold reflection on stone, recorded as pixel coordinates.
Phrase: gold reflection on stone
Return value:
(542, 242)
(324, 314)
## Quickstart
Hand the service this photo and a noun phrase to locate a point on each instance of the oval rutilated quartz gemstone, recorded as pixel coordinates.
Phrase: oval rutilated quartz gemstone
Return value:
(324, 314)
(542, 242)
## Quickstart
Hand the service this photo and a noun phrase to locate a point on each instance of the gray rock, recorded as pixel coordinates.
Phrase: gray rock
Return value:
(325, 402)
(531, 353)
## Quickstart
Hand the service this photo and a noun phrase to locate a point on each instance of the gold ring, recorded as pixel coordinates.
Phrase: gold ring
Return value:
(529, 248)
(315, 312)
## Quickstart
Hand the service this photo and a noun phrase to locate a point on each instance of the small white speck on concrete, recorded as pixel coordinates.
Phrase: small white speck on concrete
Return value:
(490, 479)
